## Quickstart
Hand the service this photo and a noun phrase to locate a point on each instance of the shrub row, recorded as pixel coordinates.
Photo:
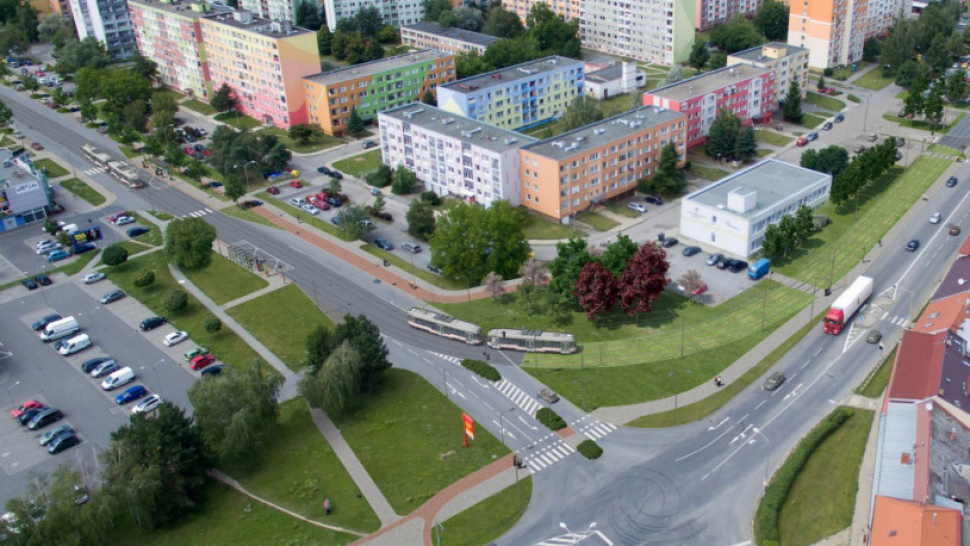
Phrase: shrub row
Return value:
(550, 418)
(482, 369)
(590, 449)
(766, 519)
(853, 98)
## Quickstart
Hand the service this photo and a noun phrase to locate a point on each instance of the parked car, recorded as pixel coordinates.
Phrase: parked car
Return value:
(201, 361)
(148, 405)
(669, 242)
(873, 337)
(273, 190)
(42, 279)
(827, 126)
(252, 203)
(637, 207)
(368, 144)
(383, 244)
(434, 269)
(27, 415)
(691, 250)
(125, 220)
(935, 218)
(93, 363)
(175, 338)
(873, 137)
(296, 201)
(735, 266)
(336, 174)
(802, 141)
(29, 283)
(105, 368)
(654, 200)
(151, 323)
(57, 256)
(81, 248)
(44, 321)
(310, 209)
(62, 442)
(375, 191)
(189, 355)
(113, 296)
(839, 118)
(334, 201)
(324, 169)
(53, 433)
(138, 230)
(774, 381)
(812, 137)
(952, 181)
(413, 248)
(92, 278)
(713, 259)
(26, 406)
(900, 142)
(212, 371)
(859, 149)
(37, 146)
(45, 417)
(131, 394)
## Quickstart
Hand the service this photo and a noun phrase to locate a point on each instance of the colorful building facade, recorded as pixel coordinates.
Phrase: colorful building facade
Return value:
(276, 10)
(787, 61)
(519, 96)
(835, 31)
(107, 21)
(374, 87)
(716, 12)
(656, 32)
(568, 9)
(746, 91)
(393, 12)
(567, 174)
(430, 35)
(264, 62)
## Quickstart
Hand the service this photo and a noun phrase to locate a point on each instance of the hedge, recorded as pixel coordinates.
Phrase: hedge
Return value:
(482, 369)
(550, 418)
(853, 98)
(590, 449)
(766, 518)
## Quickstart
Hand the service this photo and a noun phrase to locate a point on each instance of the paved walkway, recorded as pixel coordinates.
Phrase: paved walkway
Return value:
(275, 283)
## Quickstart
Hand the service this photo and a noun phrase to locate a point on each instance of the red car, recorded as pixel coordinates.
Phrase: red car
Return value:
(201, 361)
(296, 184)
(273, 190)
(28, 405)
(322, 196)
(701, 290)
(802, 141)
(189, 151)
(322, 205)
(37, 146)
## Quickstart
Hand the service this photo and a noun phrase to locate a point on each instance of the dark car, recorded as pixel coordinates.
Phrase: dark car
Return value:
(190, 138)
(952, 181)
(151, 323)
(669, 242)
(334, 201)
(199, 147)
(251, 203)
(112, 296)
(29, 283)
(62, 442)
(774, 381)
(900, 142)
(839, 118)
(324, 170)
(137, 230)
(691, 250)
(383, 244)
(44, 418)
(912, 245)
(859, 149)
(212, 371)
(93, 363)
(131, 394)
(40, 324)
(734, 266)
(653, 200)
(43, 279)
(81, 248)
(53, 433)
(715, 258)
(369, 144)
(434, 269)
(26, 416)
(337, 175)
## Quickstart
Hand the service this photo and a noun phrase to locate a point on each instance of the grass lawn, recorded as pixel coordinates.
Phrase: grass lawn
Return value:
(385, 422)
(237, 120)
(170, 92)
(154, 235)
(223, 280)
(764, 151)
(842, 73)
(322, 225)
(132, 247)
(537, 227)
(823, 101)
(837, 248)
(129, 151)
(248, 215)
(873, 80)
(923, 124)
(163, 216)
(405, 265)
(282, 320)
(822, 499)
(359, 165)
(325, 141)
(81, 189)
(615, 105)
(853, 98)
(489, 519)
(622, 210)
(710, 173)
(241, 521)
(545, 130)
(51, 167)
(875, 383)
(596, 221)
(945, 150)
(224, 344)
(772, 138)
(299, 469)
(199, 106)
(811, 121)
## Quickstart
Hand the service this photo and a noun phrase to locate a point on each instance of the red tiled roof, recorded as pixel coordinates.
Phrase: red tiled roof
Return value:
(916, 372)
(898, 522)
(945, 313)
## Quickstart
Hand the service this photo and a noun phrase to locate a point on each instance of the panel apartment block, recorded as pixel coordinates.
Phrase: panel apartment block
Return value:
(747, 91)
(394, 12)
(835, 31)
(374, 87)
(787, 61)
(716, 12)
(107, 21)
(519, 96)
(568, 9)
(276, 10)
(263, 62)
(569, 173)
(659, 32)
(169, 33)
(453, 155)
(430, 35)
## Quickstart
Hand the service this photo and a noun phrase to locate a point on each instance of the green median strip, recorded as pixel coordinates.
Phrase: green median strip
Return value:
(80, 189)
(489, 519)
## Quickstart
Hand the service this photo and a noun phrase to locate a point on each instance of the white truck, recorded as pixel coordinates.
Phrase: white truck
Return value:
(847, 304)
(60, 329)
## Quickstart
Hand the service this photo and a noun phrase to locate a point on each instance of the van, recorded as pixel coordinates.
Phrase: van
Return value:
(70, 229)
(60, 329)
(75, 344)
(118, 378)
(44, 418)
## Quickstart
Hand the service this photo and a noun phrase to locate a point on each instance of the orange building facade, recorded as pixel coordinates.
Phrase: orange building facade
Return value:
(835, 31)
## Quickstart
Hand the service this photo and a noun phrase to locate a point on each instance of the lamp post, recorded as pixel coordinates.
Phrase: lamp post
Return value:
(501, 418)
(157, 378)
(757, 431)
(245, 166)
(676, 375)
(10, 394)
(865, 120)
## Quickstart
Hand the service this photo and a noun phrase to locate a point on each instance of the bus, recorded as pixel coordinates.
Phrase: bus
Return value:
(531, 341)
(445, 326)
(125, 173)
(95, 155)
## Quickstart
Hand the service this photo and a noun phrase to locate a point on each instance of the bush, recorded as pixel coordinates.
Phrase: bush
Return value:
(550, 418)
(485, 370)
(828, 72)
(431, 198)
(212, 325)
(766, 518)
(819, 221)
(853, 98)
(145, 279)
(114, 255)
(176, 301)
(590, 449)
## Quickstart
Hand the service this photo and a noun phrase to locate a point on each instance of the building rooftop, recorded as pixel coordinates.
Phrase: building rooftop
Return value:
(602, 132)
(370, 68)
(707, 82)
(956, 280)
(191, 9)
(945, 313)
(245, 20)
(432, 27)
(898, 522)
(916, 371)
(896, 458)
(607, 74)
(504, 76)
(469, 130)
(772, 181)
(756, 54)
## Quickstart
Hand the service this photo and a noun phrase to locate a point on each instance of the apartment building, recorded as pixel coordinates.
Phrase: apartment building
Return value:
(519, 96)
(276, 10)
(394, 12)
(264, 63)
(614, 80)
(61, 7)
(747, 91)
(835, 31)
(788, 62)
(430, 35)
(568, 9)
(374, 86)
(659, 32)
(452, 155)
(169, 33)
(716, 12)
(569, 173)
(107, 21)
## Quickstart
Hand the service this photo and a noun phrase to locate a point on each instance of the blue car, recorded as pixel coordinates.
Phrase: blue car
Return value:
(136, 231)
(57, 255)
(131, 394)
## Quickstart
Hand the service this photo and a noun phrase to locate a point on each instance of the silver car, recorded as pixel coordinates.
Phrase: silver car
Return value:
(935, 219)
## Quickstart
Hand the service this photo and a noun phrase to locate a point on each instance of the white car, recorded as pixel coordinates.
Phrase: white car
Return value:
(149, 404)
(935, 219)
(48, 247)
(175, 338)
(311, 209)
(637, 207)
(125, 220)
(92, 278)
(296, 202)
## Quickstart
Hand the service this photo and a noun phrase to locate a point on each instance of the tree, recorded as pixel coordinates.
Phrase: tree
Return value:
(534, 273)
(49, 24)
(668, 178)
(388, 35)
(699, 55)
(907, 73)
(956, 87)
(508, 52)
(691, 282)
(373, 51)
(718, 60)
(736, 34)
(618, 254)
(831, 159)
(871, 50)
(335, 382)
(350, 222)
(421, 221)
(772, 245)
(234, 187)
(805, 222)
(772, 21)
(304, 133)
(308, 16)
(88, 111)
(144, 67)
(236, 413)
(87, 53)
(114, 255)
(155, 466)
(821, 83)
(188, 242)
(722, 138)
(937, 56)
(355, 125)
(596, 289)
(319, 344)
(338, 44)
(428, 98)
(378, 206)
(356, 49)
(502, 23)
(212, 325)
(470, 63)
(747, 147)
(469, 241)
(581, 112)
(365, 338)
(404, 181)
(643, 279)
(494, 284)
(6, 114)
(792, 108)
(224, 99)
(554, 35)
(176, 301)
(147, 278)
(674, 75)
(468, 18)
(382, 177)
(570, 259)
(30, 83)
(324, 39)
(196, 170)
(334, 185)
(434, 8)
(933, 109)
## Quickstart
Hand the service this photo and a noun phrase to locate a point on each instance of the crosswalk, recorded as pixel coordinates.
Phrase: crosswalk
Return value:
(197, 213)
(570, 539)
(95, 170)
(898, 320)
(548, 454)
(518, 397)
(453, 359)
(593, 428)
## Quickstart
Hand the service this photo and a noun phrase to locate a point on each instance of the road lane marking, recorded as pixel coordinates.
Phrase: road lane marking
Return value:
(705, 446)
(760, 404)
(726, 419)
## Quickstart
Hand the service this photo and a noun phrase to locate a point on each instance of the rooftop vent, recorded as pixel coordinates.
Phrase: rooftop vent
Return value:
(411, 113)
(447, 121)
(571, 147)
(742, 200)
(509, 141)
(599, 131)
(527, 71)
(559, 144)
(580, 139)
(473, 132)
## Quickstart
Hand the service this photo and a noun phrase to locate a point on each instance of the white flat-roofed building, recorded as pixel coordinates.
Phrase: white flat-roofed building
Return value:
(614, 80)
(733, 213)
(430, 35)
(394, 12)
(453, 155)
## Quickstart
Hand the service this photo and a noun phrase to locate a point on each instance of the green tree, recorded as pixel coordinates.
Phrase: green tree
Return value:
(618, 253)
(355, 125)
(772, 246)
(470, 241)
(212, 325)
(570, 259)
(114, 255)
(434, 8)
(224, 99)
(338, 44)
(718, 60)
(50, 24)
(667, 178)
(674, 75)
(870, 50)
(502, 23)
(30, 83)
(144, 67)
(792, 109)
(831, 159)
(304, 133)
(699, 55)
(805, 222)
(188, 242)
(234, 188)
(772, 21)
(470, 63)
(933, 108)
(324, 40)
(196, 170)
(334, 384)
(722, 138)
(6, 114)
(176, 301)
(308, 15)
(404, 181)
(382, 177)
(747, 146)
(937, 57)
(365, 337)
(237, 413)
(956, 87)
(446, 20)
(388, 35)
(789, 233)
(907, 73)
(350, 222)
(737, 34)
(145, 279)
(335, 186)
(87, 53)
(421, 220)
(356, 49)
(821, 83)
(553, 33)
(373, 51)
(468, 18)
(581, 112)
(428, 98)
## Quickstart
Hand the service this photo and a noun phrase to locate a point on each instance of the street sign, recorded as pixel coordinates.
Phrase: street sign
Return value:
(469, 427)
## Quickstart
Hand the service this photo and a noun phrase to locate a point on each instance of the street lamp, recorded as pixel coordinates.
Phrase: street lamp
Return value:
(155, 368)
(676, 375)
(757, 430)
(9, 394)
(501, 418)
(245, 166)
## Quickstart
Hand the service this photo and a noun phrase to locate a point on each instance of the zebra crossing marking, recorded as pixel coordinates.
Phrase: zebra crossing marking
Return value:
(518, 397)
(94, 171)
(548, 455)
(449, 358)
(593, 428)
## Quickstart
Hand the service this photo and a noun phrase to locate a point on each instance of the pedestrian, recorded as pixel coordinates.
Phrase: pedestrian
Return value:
(880, 346)
(326, 506)
(880, 242)
(716, 380)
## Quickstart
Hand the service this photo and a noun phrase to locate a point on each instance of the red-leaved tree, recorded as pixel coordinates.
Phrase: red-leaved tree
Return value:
(596, 289)
(644, 278)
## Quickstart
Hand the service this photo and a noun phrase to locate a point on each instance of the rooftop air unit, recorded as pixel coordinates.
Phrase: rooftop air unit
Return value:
(509, 141)
(599, 131)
